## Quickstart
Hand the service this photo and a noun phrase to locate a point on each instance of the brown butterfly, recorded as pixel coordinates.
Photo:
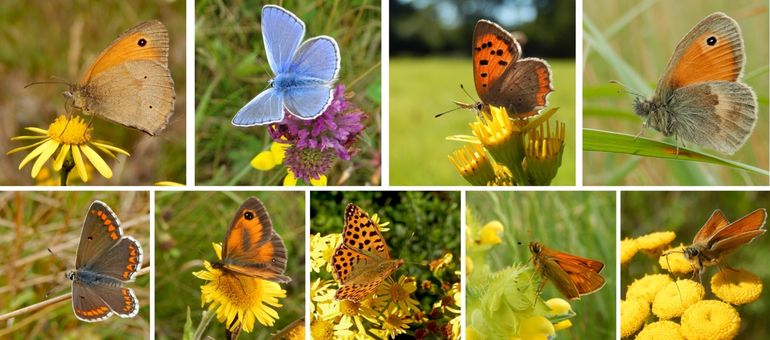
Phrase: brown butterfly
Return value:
(718, 237)
(572, 275)
(251, 247)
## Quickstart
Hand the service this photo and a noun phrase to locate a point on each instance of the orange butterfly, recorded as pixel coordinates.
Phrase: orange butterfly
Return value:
(251, 247)
(718, 237)
(362, 261)
(572, 275)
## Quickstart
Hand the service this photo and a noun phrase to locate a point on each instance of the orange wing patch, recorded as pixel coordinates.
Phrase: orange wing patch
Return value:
(113, 230)
(710, 57)
(147, 41)
(494, 50)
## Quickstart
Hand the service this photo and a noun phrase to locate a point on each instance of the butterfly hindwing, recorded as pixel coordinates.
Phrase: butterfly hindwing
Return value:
(120, 262)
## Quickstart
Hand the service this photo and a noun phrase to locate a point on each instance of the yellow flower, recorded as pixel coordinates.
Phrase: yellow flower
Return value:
(672, 300)
(291, 181)
(398, 293)
(321, 329)
(169, 184)
(628, 249)
(544, 151)
(737, 287)
(473, 164)
(468, 265)
(321, 251)
(490, 233)
(562, 325)
(674, 261)
(269, 159)
(237, 299)
(440, 263)
(633, 313)
(558, 306)
(71, 134)
(710, 319)
(665, 329)
(536, 327)
(647, 287)
(394, 322)
(501, 136)
(354, 313)
(655, 242)
(321, 294)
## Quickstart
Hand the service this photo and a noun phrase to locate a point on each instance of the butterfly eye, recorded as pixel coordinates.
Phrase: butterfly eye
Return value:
(142, 42)
(248, 215)
(711, 41)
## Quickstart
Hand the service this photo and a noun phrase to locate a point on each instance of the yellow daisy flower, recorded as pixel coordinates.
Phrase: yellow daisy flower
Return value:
(320, 292)
(394, 322)
(321, 251)
(665, 329)
(398, 293)
(712, 320)
(628, 249)
(737, 287)
(647, 287)
(354, 313)
(72, 138)
(673, 260)
(239, 300)
(674, 298)
(633, 313)
(321, 329)
(472, 163)
(655, 242)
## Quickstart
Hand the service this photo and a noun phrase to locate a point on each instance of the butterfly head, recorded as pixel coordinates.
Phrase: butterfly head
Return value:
(691, 253)
(535, 247)
(70, 275)
(643, 107)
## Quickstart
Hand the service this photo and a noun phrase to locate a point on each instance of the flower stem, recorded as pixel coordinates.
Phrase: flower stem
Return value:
(66, 168)
(207, 316)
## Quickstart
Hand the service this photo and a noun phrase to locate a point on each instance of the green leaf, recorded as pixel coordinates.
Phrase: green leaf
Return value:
(605, 141)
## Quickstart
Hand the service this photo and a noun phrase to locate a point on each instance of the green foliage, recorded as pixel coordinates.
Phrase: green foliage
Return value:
(187, 223)
(231, 68)
(613, 34)
(580, 223)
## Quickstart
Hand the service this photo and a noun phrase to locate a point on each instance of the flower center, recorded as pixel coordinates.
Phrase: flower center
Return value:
(397, 293)
(349, 308)
(241, 293)
(69, 130)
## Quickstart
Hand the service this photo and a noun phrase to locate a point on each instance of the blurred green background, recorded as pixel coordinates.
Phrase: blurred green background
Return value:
(45, 39)
(423, 227)
(639, 38)
(579, 222)
(231, 69)
(30, 222)
(685, 213)
(187, 223)
(430, 47)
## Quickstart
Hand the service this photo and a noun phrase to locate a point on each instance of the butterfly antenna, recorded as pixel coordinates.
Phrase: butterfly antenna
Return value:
(626, 89)
(468, 94)
(58, 282)
(46, 82)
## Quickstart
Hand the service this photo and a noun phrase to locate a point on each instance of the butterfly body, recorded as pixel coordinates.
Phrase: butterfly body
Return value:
(573, 276)
(251, 247)
(129, 83)
(106, 261)
(305, 72)
(700, 98)
(362, 261)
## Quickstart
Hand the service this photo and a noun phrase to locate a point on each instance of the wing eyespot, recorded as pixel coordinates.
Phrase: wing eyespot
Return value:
(142, 42)
(248, 215)
(711, 41)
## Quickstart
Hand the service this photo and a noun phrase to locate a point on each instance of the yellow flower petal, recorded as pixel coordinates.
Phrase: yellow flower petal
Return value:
(79, 165)
(35, 153)
(289, 180)
(279, 151)
(97, 161)
(536, 327)
(111, 148)
(263, 161)
(712, 320)
(321, 182)
(647, 287)
(490, 233)
(655, 241)
(63, 152)
(628, 249)
(48, 148)
(737, 287)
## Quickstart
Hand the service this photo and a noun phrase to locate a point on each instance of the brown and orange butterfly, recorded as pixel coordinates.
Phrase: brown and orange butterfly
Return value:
(573, 276)
(362, 261)
(251, 247)
(718, 237)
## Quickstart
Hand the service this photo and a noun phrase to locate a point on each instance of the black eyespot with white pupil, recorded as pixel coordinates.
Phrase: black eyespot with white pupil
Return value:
(142, 42)
(248, 215)
(711, 41)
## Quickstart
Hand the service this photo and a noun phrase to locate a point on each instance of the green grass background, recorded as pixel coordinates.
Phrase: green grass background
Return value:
(30, 222)
(685, 213)
(422, 87)
(44, 39)
(578, 222)
(187, 223)
(231, 69)
(643, 36)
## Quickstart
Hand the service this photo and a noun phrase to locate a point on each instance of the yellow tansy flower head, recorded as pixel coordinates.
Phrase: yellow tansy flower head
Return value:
(647, 287)
(628, 249)
(633, 313)
(665, 329)
(737, 287)
(710, 320)
(655, 242)
(674, 298)
(674, 261)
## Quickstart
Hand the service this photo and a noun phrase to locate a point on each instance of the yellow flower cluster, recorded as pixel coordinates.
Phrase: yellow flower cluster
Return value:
(651, 244)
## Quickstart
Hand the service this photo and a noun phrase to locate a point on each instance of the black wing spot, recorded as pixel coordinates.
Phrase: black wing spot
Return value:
(247, 215)
(711, 41)
(502, 62)
(483, 62)
(483, 74)
(499, 52)
(142, 42)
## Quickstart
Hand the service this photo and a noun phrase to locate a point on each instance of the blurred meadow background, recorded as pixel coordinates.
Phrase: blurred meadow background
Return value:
(30, 222)
(685, 213)
(430, 57)
(632, 42)
(424, 227)
(231, 69)
(579, 222)
(186, 225)
(45, 39)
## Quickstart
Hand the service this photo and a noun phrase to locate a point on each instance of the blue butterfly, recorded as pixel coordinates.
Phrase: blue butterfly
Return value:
(304, 74)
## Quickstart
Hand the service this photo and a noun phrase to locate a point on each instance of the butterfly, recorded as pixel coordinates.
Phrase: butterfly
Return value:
(106, 260)
(304, 74)
(573, 276)
(251, 247)
(129, 82)
(362, 261)
(700, 99)
(718, 237)
(502, 79)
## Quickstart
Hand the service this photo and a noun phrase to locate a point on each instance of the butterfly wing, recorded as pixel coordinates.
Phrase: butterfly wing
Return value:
(572, 274)
(711, 51)
(265, 108)
(101, 231)
(738, 233)
(715, 222)
(282, 33)
(308, 102)
(494, 49)
(523, 88)
(121, 261)
(724, 112)
(362, 234)
(87, 305)
(317, 58)
(252, 247)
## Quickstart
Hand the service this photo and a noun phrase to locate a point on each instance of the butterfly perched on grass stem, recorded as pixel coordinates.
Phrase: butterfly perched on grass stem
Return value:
(718, 237)
(573, 276)
(362, 261)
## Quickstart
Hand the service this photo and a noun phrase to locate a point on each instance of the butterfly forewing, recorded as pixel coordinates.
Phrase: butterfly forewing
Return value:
(101, 230)
(282, 33)
(715, 222)
(494, 49)
(738, 233)
(572, 275)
